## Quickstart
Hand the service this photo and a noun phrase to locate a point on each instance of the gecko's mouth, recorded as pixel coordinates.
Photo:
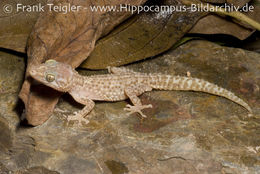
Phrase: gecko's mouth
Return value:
(32, 72)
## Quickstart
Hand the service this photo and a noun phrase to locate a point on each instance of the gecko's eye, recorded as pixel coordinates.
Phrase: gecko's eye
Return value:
(51, 62)
(50, 77)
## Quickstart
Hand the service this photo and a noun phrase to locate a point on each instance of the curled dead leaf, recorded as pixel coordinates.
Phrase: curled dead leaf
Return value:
(213, 24)
(145, 35)
(66, 37)
(238, 3)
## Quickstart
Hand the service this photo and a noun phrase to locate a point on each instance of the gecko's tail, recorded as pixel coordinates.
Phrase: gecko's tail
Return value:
(168, 82)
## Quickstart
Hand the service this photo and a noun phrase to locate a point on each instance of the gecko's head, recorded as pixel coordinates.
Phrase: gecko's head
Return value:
(54, 74)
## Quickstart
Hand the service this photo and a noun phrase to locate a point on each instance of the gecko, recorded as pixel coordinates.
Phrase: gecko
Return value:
(119, 84)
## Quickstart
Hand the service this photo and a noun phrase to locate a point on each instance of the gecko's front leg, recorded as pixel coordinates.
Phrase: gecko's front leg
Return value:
(80, 116)
(132, 93)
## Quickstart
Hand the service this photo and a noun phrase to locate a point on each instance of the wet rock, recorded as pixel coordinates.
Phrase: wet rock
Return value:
(185, 132)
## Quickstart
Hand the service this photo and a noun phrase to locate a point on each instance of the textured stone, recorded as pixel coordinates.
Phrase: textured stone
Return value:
(11, 77)
(185, 132)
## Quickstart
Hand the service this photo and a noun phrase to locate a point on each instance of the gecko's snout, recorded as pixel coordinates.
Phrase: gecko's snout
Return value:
(32, 72)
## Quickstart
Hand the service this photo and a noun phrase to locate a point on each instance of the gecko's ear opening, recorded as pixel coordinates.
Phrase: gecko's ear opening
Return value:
(51, 62)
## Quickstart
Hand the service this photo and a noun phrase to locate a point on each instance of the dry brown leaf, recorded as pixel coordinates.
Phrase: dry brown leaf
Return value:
(214, 1)
(213, 24)
(233, 2)
(256, 12)
(16, 25)
(238, 2)
(144, 35)
(67, 38)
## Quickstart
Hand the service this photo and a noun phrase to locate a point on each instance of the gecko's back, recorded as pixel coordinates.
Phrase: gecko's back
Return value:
(111, 87)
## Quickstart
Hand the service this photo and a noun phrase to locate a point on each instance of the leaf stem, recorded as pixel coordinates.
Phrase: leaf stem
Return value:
(221, 11)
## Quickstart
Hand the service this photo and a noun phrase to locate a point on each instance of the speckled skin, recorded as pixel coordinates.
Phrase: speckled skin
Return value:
(120, 84)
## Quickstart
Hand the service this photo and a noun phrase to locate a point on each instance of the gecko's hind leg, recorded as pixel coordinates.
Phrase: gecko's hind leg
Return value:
(133, 93)
(80, 116)
(121, 70)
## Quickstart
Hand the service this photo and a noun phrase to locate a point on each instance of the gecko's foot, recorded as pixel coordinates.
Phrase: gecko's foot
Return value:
(250, 115)
(136, 108)
(109, 69)
(79, 118)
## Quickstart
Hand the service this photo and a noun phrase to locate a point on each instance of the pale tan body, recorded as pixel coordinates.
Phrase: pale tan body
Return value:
(120, 85)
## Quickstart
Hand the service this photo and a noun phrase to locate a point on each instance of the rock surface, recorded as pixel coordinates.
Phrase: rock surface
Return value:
(185, 132)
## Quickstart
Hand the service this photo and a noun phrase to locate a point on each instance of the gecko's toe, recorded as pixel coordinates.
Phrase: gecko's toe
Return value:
(136, 108)
(144, 116)
(148, 106)
(109, 69)
(86, 121)
(128, 106)
(250, 115)
(77, 118)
